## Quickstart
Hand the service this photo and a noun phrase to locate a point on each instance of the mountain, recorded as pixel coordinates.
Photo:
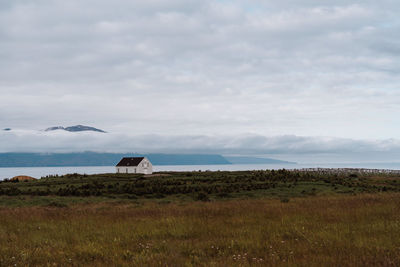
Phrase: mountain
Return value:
(254, 160)
(75, 128)
(7, 129)
(102, 159)
(55, 128)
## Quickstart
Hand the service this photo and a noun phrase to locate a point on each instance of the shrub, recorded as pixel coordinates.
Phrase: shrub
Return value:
(132, 196)
(57, 204)
(202, 197)
(223, 195)
(285, 200)
(159, 195)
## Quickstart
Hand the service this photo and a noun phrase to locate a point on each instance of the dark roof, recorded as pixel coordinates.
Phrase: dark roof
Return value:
(134, 161)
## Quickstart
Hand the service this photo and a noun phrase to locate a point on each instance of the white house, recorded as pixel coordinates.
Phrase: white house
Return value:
(134, 165)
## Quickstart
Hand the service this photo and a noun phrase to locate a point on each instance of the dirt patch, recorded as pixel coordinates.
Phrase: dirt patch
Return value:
(23, 178)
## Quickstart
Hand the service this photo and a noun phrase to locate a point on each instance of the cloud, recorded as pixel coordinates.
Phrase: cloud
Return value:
(290, 147)
(202, 68)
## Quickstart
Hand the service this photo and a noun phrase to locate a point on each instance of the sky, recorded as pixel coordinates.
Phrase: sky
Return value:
(290, 78)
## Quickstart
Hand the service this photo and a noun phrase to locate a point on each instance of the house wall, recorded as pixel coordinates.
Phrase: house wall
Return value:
(144, 166)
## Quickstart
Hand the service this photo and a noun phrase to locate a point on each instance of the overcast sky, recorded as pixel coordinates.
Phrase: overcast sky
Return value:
(222, 76)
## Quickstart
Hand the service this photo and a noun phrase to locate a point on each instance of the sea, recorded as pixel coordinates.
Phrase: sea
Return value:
(38, 172)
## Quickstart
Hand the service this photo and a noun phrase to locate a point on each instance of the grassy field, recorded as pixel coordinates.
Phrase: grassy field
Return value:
(190, 186)
(341, 230)
(261, 218)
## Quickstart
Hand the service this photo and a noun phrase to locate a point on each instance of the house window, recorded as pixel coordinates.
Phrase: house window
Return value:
(135, 170)
(117, 170)
(126, 170)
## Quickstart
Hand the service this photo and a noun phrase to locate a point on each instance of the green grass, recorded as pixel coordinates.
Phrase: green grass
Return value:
(191, 186)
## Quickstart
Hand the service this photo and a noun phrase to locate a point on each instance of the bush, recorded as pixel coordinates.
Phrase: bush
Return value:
(285, 200)
(159, 195)
(202, 197)
(57, 204)
(223, 195)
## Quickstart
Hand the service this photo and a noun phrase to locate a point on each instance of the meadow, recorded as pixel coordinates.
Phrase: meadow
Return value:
(289, 219)
(191, 186)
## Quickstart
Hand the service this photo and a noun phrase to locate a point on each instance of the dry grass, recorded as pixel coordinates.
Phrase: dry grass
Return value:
(362, 230)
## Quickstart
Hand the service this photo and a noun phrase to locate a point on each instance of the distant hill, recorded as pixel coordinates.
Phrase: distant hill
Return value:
(111, 159)
(76, 128)
(7, 129)
(102, 159)
(254, 160)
